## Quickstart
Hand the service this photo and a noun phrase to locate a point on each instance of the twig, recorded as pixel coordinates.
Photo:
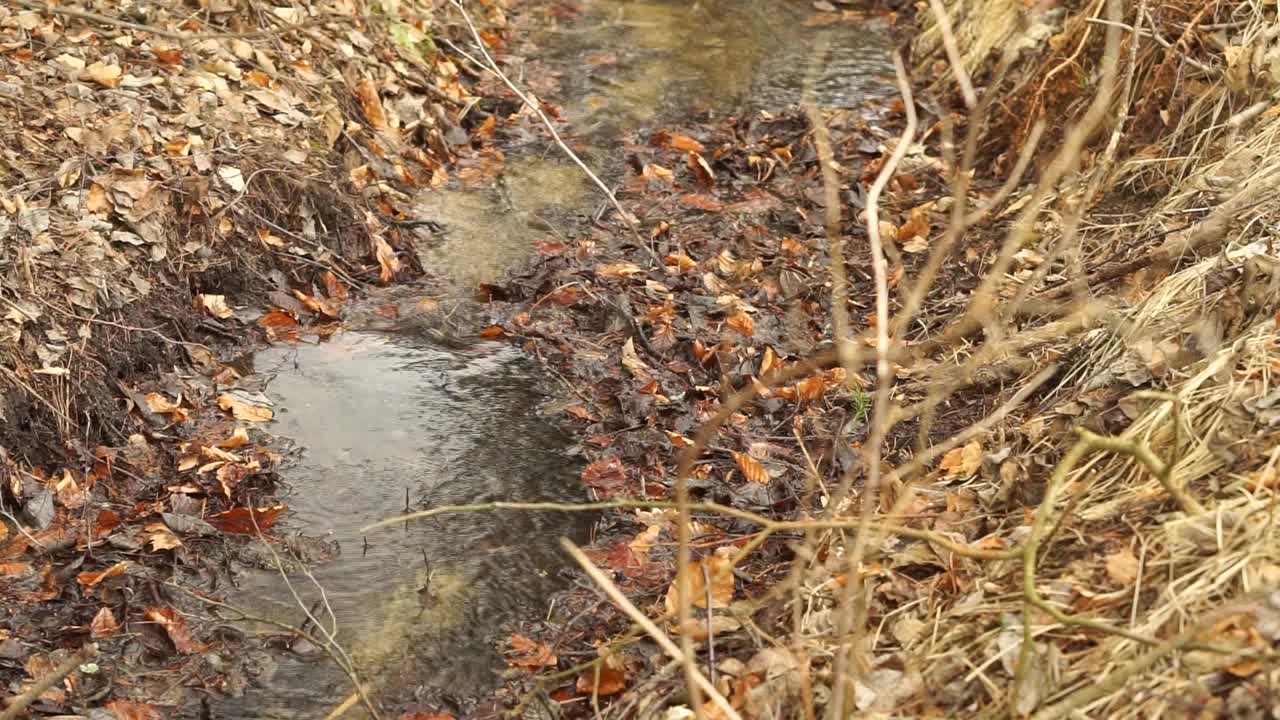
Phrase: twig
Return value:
(851, 613)
(653, 630)
(33, 693)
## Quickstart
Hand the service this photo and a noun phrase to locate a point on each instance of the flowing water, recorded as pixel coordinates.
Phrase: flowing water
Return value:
(388, 418)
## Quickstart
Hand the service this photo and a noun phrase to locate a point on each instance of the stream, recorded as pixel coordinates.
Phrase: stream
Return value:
(388, 417)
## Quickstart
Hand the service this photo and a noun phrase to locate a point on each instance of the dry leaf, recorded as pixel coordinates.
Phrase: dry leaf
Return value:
(751, 469)
(107, 76)
(238, 437)
(962, 461)
(104, 624)
(1122, 567)
(90, 579)
(161, 405)
(215, 305)
(608, 475)
(619, 270)
(367, 92)
(743, 323)
(719, 570)
(685, 143)
(607, 682)
(127, 710)
(701, 170)
(387, 259)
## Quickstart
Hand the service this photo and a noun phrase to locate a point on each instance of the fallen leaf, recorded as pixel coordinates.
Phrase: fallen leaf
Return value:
(232, 177)
(387, 260)
(657, 173)
(90, 579)
(107, 76)
(238, 437)
(127, 710)
(618, 270)
(743, 323)
(1122, 567)
(492, 332)
(962, 461)
(607, 682)
(701, 170)
(104, 624)
(176, 627)
(161, 405)
(247, 521)
(717, 568)
(701, 202)
(751, 469)
(279, 325)
(244, 407)
(160, 537)
(530, 654)
(607, 476)
(685, 143)
(371, 104)
(215, 305)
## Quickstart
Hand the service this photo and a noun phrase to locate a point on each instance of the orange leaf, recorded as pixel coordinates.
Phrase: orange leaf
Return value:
(685, 143)
(367, 92)
(751, 469)
(530, 654)
(279, 325)
(176, 626)
(127, 710)
(608, 682)
(493, 331)
(334, 287)
(716, 568)
(743, 323)
(387, 259)
(168, 56)
(247, 521)
(89, 579)
(811, 389)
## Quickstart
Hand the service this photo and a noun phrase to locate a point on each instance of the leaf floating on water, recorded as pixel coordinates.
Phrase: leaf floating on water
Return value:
(247, 521)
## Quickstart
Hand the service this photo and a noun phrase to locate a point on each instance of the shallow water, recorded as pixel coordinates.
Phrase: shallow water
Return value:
(379, 414)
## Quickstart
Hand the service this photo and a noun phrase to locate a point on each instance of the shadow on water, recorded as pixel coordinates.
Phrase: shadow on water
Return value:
(376, 414)
(379, 415)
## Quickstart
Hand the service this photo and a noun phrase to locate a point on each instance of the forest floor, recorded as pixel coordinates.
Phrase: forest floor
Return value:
(1010, 452)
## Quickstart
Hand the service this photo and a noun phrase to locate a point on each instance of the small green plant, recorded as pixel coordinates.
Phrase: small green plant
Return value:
(861, 404)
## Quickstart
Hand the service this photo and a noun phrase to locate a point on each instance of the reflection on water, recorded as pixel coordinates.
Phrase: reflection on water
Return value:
(664, 59)
(379, 416)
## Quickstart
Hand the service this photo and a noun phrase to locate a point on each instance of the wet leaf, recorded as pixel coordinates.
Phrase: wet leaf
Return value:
(176, 627)
(607, 682)
(245, 407)
(751, 469)
(104, 624)
(247, 521)
(529, 654)
(90, 579)
(608, 475)
(127, 710)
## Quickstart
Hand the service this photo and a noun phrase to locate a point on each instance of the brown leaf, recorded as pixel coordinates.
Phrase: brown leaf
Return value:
(530, 654)
(176, 626)
(608, 475)
(701, 170)
(127, 710)
(1122, 567)
(90, 579)
(160, 537)
(104, 624)
(963, 461)
(701, 202)
(743, 323)
(238, 437)
(247, 521)
(811, 389)
(717, 568)
(608, 682)
(160, 404)
(371, 103)
(618, 270)
(334, 287)
(751, 469)
(243, 409)
(215, 305)
(387, 260)
(685, 143)
(279, 325)
(107, 76)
